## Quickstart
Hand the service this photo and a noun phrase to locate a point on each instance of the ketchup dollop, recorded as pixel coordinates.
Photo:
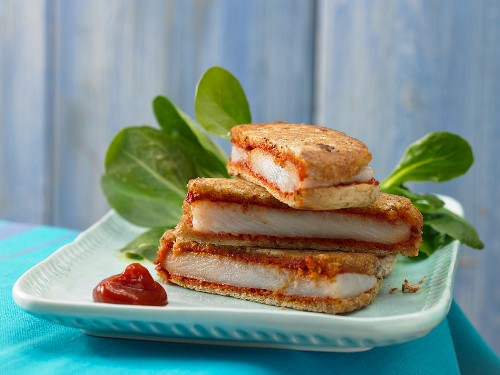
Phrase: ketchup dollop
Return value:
(134, 286)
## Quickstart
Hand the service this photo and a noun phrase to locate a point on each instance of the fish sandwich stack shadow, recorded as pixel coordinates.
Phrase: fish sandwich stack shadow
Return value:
(302, 226)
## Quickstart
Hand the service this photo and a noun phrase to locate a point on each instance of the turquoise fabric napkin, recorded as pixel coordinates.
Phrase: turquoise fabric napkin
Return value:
(29, 344)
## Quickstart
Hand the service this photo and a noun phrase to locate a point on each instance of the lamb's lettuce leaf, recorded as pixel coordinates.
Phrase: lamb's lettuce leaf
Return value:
(220, 102)
(175, 122)
(146, 171)
(436, 157)
(145, 246)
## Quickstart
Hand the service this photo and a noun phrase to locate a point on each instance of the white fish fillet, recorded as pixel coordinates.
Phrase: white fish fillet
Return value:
(285, 177)
(207, 267)
(233, 218)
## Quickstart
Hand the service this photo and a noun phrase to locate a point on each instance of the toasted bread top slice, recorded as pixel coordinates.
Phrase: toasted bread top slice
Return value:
(319, 153)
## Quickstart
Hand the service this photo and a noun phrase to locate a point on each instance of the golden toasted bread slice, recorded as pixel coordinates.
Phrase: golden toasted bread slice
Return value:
(316, 281)
(240, 213)
(305, 166)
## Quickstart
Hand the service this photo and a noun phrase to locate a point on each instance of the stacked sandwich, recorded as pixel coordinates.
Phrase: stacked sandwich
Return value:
(302, 226)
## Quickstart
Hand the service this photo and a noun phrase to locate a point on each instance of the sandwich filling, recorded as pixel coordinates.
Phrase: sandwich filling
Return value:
(286, 176)
(220, 217)
(331, 282)
(221, 270)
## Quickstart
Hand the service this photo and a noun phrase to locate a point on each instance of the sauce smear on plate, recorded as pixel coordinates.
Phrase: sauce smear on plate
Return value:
(134, 286)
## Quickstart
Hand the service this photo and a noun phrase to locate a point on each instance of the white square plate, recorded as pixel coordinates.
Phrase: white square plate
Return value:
(59, 289)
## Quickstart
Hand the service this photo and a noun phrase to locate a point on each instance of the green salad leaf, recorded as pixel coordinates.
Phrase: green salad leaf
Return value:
(145, 246)
(436, 157)
(424, 202)
(432, 241)
(147, 169)
(175, 122)
(141, 206)
(444, 221)
(220, 102)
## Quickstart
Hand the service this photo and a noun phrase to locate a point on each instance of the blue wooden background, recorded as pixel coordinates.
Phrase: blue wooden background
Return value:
(73, 73)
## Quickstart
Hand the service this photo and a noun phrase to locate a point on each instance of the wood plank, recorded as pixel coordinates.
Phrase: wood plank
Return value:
(110, 64)
(113, 57)
(23, 162)
(389, 73)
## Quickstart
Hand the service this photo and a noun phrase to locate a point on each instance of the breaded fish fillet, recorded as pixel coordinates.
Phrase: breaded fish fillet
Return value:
(316, 281)
(305, 166)
(240, 213)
